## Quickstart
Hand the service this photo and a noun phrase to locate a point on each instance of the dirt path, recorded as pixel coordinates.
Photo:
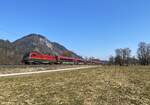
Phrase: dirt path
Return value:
(46, 71)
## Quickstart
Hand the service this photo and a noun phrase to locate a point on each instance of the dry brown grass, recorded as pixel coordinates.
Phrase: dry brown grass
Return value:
(98, 86)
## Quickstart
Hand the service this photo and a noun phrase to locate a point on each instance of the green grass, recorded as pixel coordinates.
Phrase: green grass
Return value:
(98, 86)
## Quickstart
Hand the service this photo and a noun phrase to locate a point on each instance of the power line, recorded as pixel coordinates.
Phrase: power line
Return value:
(5, 33)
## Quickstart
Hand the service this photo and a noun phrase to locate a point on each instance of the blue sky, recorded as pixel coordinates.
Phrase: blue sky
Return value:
(88, 27)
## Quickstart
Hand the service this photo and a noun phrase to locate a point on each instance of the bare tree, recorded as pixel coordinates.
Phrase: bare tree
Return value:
(148, 53)
(144, 53)
(119, 57)
(126, 56)
(111, 60)
(123, 56)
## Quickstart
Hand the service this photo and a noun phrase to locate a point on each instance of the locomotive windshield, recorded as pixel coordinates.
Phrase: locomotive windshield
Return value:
(25, 57)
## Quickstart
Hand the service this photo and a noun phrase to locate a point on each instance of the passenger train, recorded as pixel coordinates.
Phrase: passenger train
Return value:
(38, 58)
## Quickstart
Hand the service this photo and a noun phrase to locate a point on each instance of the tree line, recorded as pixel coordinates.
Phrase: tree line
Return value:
(123, 56)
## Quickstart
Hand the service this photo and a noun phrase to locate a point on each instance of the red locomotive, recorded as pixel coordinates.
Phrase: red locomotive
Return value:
(38, 58)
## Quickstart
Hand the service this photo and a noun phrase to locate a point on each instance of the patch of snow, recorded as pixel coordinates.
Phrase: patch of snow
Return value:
(45, 41)
(49, 45)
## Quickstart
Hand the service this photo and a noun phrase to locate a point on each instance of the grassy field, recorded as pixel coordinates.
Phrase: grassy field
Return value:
(98, 86)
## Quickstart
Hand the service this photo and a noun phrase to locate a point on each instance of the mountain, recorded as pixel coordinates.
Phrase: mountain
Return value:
(33, 42)
(36, 42)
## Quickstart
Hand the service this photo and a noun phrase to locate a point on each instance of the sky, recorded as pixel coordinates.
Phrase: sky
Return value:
(88, 27)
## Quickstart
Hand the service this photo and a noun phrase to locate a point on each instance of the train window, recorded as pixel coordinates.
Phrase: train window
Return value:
(33, 55)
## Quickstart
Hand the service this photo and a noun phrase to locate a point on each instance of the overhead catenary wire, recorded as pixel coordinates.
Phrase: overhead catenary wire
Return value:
(4, 33)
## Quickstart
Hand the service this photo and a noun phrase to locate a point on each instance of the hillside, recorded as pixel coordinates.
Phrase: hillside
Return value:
(9, 53)
(12, 52)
